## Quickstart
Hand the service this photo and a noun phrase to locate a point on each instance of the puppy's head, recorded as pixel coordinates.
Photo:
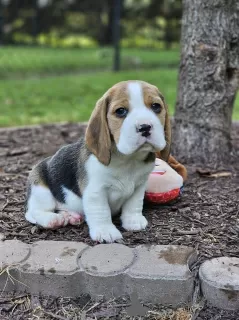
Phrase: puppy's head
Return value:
(132, 115)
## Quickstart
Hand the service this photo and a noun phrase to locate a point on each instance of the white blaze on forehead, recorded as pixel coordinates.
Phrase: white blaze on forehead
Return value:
(130, 139)
(136, 97)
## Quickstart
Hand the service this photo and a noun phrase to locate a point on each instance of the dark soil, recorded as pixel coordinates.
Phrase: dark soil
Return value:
(205, 217)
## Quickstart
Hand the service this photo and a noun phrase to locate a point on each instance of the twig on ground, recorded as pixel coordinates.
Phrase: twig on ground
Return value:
(5, 205)
(8, 309)
(4, 215)
(122, 305)
(16, 234)
(12, 298)
(189, 232)
(55, 316)
(93, 307)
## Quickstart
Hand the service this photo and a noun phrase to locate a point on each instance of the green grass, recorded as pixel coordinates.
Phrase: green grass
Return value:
(72, 97)
(69, 98)
(26, 97)
(25, 61)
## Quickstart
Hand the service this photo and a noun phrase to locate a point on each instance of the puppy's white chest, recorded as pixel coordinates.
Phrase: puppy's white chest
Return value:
(120, 180)
(119, 192)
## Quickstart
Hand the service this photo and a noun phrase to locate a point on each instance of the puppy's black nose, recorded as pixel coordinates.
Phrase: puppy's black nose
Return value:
(145, 129)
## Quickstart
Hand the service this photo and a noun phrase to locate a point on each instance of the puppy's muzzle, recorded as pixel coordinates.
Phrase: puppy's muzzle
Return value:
(144, 129)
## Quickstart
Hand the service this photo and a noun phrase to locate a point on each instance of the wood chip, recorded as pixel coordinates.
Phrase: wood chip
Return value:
(209, 174)
(188, 232)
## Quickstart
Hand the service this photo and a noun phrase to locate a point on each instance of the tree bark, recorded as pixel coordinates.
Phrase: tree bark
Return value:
(208, 81)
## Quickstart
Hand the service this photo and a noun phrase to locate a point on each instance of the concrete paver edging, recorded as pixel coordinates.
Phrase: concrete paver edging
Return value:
(157, 274)
(220, 282)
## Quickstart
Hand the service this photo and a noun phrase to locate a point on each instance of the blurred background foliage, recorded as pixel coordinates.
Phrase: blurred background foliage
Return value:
(88, 23)
(56, 56)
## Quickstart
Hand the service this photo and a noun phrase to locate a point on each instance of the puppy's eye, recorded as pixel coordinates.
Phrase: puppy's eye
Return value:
(121, 112)
(156, 107)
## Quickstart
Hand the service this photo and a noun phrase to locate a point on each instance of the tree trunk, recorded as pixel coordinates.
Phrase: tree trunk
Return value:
(208, 81)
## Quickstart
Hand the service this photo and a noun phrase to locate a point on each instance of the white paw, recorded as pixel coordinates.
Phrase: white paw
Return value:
(108, 233)
(134, 222)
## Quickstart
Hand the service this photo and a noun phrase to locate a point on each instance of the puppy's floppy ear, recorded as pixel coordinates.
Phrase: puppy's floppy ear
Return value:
(177, 166)
(97, 133)
(164, 154)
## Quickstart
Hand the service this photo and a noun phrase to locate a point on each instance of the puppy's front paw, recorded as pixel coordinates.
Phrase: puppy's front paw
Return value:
(134, 222)
(108, 233)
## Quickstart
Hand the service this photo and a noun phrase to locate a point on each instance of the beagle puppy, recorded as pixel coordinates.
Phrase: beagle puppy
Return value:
(105, 172)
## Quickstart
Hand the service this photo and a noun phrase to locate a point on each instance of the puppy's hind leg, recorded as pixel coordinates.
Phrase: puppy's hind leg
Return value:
(40, 209)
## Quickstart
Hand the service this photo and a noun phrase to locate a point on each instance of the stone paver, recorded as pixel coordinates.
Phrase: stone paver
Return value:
(220, 282)
(165, 267)
(107, 259)
(12, 254)
(157, 274)
(52, 268)
(105, 266)
(54, 257)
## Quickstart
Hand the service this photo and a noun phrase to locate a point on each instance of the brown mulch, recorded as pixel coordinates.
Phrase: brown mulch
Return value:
(205, 217)
(27, 307)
